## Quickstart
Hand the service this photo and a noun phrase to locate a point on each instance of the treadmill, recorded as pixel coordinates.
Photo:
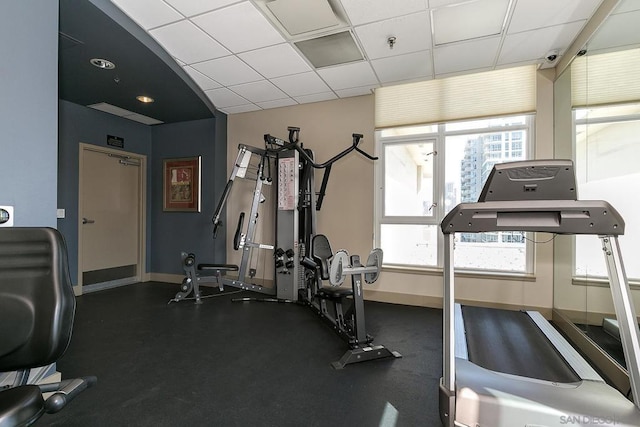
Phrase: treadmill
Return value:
(505, 368)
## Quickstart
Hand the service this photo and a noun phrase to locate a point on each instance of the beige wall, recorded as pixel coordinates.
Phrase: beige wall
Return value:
(347, 214)
(326, 128)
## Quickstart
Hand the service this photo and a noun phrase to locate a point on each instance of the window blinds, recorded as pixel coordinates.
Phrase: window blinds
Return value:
(607, 78)
(491, 93)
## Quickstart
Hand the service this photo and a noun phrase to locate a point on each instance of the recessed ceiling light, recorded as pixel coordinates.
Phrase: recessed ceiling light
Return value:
(145, 99)
(102, 63)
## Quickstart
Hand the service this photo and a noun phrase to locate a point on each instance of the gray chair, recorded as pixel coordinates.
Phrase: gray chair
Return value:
(37, 308)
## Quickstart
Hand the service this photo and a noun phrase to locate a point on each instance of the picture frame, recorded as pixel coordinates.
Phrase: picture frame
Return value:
(181, 184)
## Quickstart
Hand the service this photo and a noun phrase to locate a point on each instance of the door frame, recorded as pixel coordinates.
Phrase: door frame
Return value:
(141, 274)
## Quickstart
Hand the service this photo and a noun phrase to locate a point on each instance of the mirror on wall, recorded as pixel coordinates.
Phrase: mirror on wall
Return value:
(597, 124)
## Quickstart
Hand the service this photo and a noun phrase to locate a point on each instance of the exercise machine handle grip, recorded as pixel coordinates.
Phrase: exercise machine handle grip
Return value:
(296, 146)
(237, 237)
(223, 200)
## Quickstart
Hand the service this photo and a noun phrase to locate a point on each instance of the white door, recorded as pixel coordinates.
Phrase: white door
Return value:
(111, 194)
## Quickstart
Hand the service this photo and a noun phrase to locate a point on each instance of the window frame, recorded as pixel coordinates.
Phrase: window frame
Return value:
(439, 139)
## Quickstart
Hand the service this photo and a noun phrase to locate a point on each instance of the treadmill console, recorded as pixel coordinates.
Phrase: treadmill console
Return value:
(530, 180)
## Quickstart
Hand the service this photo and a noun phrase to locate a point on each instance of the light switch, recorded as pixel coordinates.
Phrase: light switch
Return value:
(60, 213)
(6, 216)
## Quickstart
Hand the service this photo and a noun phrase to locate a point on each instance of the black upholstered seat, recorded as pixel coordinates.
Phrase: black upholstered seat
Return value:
(321, 252)
(37, 308)
(21, 406)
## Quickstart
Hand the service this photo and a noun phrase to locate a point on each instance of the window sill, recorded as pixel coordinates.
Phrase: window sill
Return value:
(433, 271)
(600, 282)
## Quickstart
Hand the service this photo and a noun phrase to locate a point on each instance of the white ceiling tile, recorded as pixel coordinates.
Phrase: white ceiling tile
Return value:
(195, 7)
(348, 76)
(356, 91)
(434, 4)
(468, 20)
(228, 71)
(240, 27)
(201, 80)
(278, 103)
(229, 47)
(404, 67)
(465, 56)
(618, 30)
(240, 109)
(223, 97)
(627, 6)
(148, 13)
(316, 97)
(188, 43)
(534, 45)
(364, 11)
(259, 91)
(412, 33)
(299, 17)
(275, 61)
(301, 84)
(531, 14)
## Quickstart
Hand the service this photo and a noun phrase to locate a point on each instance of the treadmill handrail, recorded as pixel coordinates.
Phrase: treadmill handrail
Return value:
(595, 217)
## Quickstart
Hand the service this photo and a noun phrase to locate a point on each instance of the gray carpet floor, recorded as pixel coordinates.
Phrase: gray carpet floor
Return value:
(243, 364)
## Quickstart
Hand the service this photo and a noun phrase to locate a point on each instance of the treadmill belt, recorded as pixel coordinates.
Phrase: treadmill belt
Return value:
(510, 342)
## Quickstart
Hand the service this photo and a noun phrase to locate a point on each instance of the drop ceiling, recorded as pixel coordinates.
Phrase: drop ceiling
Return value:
(252, 54)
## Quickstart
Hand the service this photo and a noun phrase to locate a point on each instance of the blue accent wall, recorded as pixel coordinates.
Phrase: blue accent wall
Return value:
(80, 124)
(29, 110)
(176, 232)
(39, 146)
(168, 233)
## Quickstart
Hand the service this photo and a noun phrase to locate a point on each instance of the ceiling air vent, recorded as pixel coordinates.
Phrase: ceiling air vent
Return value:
(334, 49)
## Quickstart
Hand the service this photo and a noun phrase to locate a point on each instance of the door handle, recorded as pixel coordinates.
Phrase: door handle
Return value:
(87, 221)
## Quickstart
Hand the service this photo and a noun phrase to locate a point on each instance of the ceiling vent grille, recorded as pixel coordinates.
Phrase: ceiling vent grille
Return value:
(330, 50)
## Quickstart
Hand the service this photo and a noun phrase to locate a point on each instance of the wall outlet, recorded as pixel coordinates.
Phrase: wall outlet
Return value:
(6, 216)
(60, 213)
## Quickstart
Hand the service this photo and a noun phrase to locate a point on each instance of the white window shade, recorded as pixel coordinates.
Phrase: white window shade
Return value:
(492, 93)
(606, 78)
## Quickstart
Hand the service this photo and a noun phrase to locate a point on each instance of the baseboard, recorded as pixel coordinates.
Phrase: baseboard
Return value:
(436, 302)
(108, 285)
(404, 299)
(586, 317)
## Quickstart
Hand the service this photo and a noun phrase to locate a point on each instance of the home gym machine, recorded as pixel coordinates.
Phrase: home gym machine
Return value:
(310, 261)
(303, 260)
(252, 164)
(507, 368)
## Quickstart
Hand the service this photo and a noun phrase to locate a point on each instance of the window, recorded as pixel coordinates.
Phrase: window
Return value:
(607, 146)
(425, 171)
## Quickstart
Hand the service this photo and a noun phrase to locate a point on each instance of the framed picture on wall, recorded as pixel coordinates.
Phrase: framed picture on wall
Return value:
(181, 184)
